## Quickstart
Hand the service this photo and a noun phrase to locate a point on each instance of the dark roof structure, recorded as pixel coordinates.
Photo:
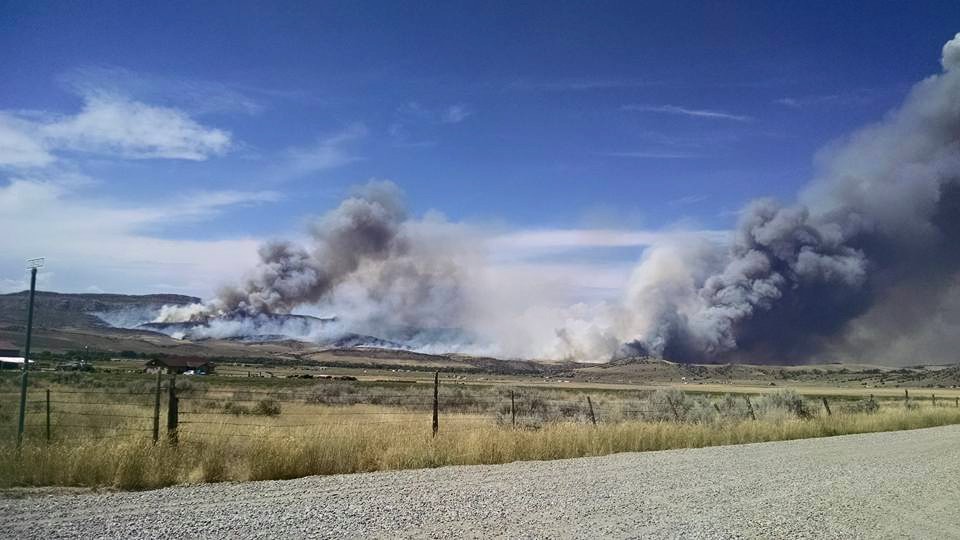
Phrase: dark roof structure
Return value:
(180, 362)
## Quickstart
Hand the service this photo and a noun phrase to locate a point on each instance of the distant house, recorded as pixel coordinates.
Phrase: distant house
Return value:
(10, 356)
(8, 350)
(180, 364)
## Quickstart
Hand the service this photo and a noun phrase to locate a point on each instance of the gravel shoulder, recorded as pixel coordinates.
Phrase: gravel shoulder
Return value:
(884, 485)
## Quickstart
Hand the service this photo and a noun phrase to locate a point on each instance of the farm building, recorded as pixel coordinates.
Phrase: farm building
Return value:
(10, 356)
(180, 364)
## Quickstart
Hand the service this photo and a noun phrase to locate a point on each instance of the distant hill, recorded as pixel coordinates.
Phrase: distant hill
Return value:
(63, 310)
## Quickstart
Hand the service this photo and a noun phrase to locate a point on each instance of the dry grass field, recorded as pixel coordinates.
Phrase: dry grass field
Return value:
(240, 428)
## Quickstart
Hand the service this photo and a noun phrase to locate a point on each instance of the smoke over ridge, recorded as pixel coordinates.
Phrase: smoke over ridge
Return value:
(881, 216)
(865, 265)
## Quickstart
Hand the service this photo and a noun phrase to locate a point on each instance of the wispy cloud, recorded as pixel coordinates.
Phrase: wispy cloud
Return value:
(686, 111)
(642, 154)
(580, 85)
(456, 114)
(108, 125)
(415, 125)
(195, 96)
(524, 243)
(688, 200)
(855, 97)
(327, 153)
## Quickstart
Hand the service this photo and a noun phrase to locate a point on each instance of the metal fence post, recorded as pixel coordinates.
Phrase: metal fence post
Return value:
(172, 411)
(436, 403)
(156, 409)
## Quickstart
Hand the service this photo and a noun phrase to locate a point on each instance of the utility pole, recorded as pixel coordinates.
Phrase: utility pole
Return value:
(33, 265)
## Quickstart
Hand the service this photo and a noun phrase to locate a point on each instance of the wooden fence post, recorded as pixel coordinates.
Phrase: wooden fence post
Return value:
(173, 411)
(827, 406)
(436, 403)
(717, 407)
(48, 415)
(957, 401)
(513, 410)
(590, 405)
(906, 396)
(933, 399)
(676, 415)
(156, 409)
(750, 408)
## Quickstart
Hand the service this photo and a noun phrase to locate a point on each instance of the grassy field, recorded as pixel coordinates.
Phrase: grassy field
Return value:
(240, 428)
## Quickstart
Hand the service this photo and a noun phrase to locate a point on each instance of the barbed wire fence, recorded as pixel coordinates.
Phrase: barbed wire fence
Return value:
(189, 415)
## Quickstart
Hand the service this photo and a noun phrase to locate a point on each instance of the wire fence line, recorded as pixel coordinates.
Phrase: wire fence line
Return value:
(171, 413)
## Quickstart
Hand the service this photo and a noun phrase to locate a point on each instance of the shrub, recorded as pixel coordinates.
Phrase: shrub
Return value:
(791, 401)
(267, 407)
(867, 406)
(235, 409)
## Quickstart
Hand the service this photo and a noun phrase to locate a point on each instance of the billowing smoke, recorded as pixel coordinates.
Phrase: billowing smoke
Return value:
(871, 249)
(864, 266)
(366, 262)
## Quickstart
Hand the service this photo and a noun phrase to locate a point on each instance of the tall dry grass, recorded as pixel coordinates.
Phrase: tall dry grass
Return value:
(267, 453)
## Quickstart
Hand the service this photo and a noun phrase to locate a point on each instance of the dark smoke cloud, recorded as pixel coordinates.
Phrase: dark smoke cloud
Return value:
(879, 225)
(366, 261)
(366, 227)
(865, 265)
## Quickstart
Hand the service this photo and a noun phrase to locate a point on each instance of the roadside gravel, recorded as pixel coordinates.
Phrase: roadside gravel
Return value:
(886, 485)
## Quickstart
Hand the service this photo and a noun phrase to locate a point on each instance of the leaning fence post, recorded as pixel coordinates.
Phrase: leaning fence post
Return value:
(173, 407)
(156, 409)
(750, 407)
(48, 415)
(592, 417)
(436, 403)
(513, 410)
(676, 415)
(826, 406)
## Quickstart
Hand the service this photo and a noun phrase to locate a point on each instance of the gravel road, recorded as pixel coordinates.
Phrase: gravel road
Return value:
(887, 485)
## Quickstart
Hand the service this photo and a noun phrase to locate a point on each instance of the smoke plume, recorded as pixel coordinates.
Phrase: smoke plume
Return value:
(870, 250)
(865, 265)
(366, 261)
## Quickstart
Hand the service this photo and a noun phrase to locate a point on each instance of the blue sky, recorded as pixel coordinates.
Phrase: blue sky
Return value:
(167, 141)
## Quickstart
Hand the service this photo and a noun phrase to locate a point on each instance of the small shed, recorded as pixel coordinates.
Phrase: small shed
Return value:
(10, 356)
(180, 364)
(9, 350)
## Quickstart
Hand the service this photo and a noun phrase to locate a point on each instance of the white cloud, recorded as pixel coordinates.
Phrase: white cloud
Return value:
(524, 244)
(108, 125)
(192, 95)
(19, 147)
(116, 126)
(91, 242)
(686, 111)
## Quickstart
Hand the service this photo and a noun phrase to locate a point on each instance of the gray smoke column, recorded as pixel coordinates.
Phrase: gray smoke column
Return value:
(868, 254)
(365, 227)
(366, 262)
